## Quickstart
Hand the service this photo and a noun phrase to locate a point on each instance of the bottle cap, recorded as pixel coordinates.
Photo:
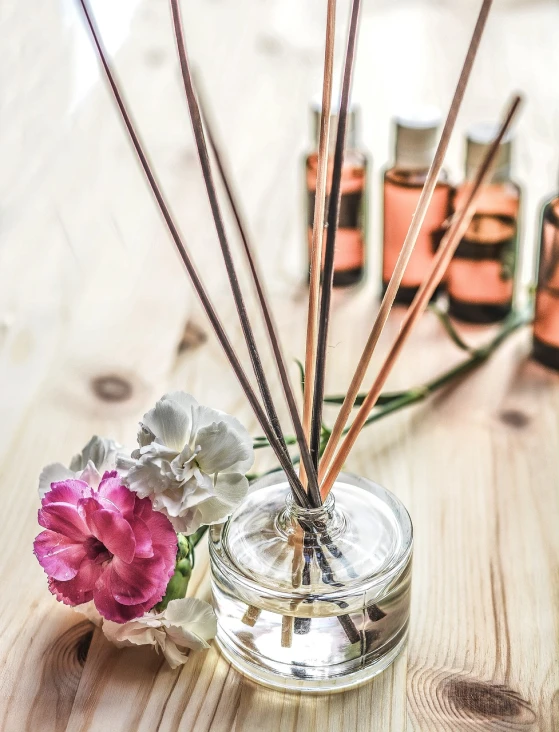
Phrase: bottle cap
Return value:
(478, 139)
(352, 128)
(416, 137)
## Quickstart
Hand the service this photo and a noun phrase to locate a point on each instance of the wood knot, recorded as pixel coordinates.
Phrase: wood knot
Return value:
(514, 418)
(192, 337)
(111, 388)
(491, 701)
(82, 647)
(66, 656)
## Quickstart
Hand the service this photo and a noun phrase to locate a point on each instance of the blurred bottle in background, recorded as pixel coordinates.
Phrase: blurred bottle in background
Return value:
(351, 236)
(416, 136)
(545, 348)
(480, 278)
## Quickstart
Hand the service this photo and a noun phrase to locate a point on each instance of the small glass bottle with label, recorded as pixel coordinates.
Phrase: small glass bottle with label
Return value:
(416, 136)
(351, 236)
(480, 278)
(545, 345)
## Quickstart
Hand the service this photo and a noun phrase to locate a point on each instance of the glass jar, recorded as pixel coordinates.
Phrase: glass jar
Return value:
(313, 599)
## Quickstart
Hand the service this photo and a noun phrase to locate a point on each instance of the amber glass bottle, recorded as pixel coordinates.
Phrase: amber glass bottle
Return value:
(480, 278)
(351, 236)
(416, 137)
(546, 319)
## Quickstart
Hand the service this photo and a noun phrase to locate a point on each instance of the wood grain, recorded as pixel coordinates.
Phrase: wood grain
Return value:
(93, 308)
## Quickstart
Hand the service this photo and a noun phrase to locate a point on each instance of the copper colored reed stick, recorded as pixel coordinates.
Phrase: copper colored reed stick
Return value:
(280, 452)
(333, 212)
(318, 223)
(459, 224)
(408, 245)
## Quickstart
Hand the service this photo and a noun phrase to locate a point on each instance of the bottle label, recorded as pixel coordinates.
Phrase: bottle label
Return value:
(400, 202)
(482, 269)
(351, 210)
(349, 247)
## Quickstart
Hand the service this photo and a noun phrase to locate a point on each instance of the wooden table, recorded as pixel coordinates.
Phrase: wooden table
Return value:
(93, 305)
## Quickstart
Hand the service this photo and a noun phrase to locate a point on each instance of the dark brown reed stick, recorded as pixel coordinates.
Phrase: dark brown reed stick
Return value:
(409, 242)
(260, 291)
(197, 126)
(459, 224)
(333, 212)
(270, 433)
(318, 222)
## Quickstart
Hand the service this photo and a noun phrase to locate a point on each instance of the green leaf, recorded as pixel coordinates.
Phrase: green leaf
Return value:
(301, 374)
(450, 329)
(386, 398)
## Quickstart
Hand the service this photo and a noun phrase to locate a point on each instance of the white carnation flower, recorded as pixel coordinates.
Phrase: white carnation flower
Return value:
(191, 462)
(186, 623)
(98, 456)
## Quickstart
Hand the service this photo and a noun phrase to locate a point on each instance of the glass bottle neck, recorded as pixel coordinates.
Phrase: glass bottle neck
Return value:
(326, 520)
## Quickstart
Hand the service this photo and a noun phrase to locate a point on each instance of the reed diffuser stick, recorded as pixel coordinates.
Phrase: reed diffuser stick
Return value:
(280, 451)
(408, 245)
(333, 212)
(459, 224)
(257, 279)
(196, 119)
(318, 222)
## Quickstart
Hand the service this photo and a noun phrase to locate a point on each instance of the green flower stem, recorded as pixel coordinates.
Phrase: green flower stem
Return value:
(178, 584)
(390, 402)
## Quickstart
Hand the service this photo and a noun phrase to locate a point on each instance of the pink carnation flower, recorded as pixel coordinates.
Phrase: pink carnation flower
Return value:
(105, 545)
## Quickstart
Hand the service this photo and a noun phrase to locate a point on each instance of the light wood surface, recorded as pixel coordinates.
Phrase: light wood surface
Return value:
(93, 306)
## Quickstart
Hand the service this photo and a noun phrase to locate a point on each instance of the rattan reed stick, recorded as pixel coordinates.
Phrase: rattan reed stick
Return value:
(408, 245)
(215, 321)
(197, 126)
(459, 224)
(318, 223)
(332, 225)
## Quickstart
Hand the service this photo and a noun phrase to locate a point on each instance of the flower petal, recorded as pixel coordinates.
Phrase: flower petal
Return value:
(112, 489)
(58, 555)
(109, 607)
(100, 451)
(112, 530)
(170, 423)
(163, 537)
(190, 622)
(146, 478)
(90, 475)
(79, 589)
(186, 401)
(66, 491)
(135, 583)
(222, 448)
(231, 488)
(54, 473)
(205, 417)
(142, 534)
(134, 632)
(64, 519)
(173, 655)
(88, 610)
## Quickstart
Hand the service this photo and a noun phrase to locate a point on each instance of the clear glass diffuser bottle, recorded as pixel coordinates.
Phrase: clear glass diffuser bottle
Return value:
(313, 600)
